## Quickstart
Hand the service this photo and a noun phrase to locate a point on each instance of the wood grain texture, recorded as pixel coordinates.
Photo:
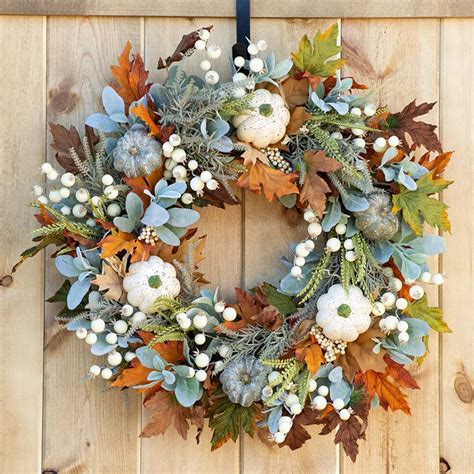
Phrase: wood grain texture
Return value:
(260, 8)
(403, 56)
(86, 429)
(223, 252)
(457, 371)
(268, 231)
(22, 49)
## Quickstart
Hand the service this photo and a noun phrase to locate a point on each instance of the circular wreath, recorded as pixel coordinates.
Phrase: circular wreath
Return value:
(332, 341)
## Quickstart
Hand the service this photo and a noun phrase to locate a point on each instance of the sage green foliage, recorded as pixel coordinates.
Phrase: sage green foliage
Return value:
(318, 276)
(291, 368)
(227, 419)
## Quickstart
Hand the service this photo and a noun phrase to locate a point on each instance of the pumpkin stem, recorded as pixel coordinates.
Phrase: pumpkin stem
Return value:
(344, 310)
(266, 110)
(154, 281)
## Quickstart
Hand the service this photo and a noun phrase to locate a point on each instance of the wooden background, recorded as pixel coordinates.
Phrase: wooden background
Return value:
(55, 57)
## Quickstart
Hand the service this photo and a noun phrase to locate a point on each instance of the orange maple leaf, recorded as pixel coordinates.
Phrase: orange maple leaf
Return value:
(310, 351)
(137, 374)
(273, 182)
(146, 116)
(389, 394)
(131, 77)
(171, 351)
(399, 374)
(142, 183)
(438, 164)
(116, 242)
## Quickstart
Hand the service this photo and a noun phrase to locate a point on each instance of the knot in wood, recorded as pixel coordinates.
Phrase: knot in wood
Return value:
(6, 280)
(463, 388)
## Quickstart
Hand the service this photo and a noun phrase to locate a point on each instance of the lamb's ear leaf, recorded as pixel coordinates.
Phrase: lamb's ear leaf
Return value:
(155, 215)
(134, 207)
(77, 291)
(124, 224)
(167, 236)
(182, 217)
(103, 123)
(113, 103)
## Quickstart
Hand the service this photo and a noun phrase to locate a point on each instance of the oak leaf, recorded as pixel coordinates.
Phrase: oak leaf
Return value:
(421, 133)
(110, 280)
(273, 183)
(315, 187)
(389, 394)
(417, 206)
(131, 76)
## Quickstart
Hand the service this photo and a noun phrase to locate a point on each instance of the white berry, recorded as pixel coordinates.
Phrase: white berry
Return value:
(315, 229)
(196, 184)
(79, 210)
(129, 356)
(81, 333)
(391, 323)
(46, 168)
(106, 373)
(323, 390)
(200, 339)
(301, 250)
(200, 321)
(296, 408)
(359, 142)
(187, 198)
(300, 261)
(338, 404)
(107, 180)
(437, 279)
(356, 111)
(279, 437)
(291, 399)
(212, 77)
(184, 323)
(344, 414)
(225, 351)
(52, 175)
(82, 195)
(167, 149)
(309, 245)
(120, 326)
(252, 49)
(113, 210)
(370, 110)
(204, 34)
(402, 326)
(91, 338)
(425, 277)
(396, 284)
(205, 65)
(312, 385)
(394, 141)
(319, 402)
(337, 135)
(179, 172)
(98, 325)
(200, 375)
(348, 244)
(380, 145)
(350, 256)
(214, 51)
(401, 304)
(66, 210)
(239, 61)
(357, 132)
(94, 370)
(202, 360)
(212, 184)
(295, 271)
(378, 308)
(205, 176)
(416, 292)
(138, 318)
(178, 155)
(64, 193)
(388, 300)
(114, 358)
(127, 310)
(219, 307)
(229, 314)
(200, 45)
(284, 424)
(111, 338)
(256, 65)
(262, 45)
(333, 244)
(403, 337)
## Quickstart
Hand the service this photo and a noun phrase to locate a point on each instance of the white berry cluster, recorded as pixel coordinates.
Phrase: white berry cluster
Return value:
(331, 348)
(302, 250)
(114, 328)
(320, 402)
(256, 66)
(213, 52)
(64, 187)
(276, 160)
(148, 235)
(177, 167)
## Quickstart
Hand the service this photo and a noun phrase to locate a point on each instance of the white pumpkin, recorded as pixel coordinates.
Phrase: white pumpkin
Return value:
(343, 314)
(148, 280)
(266, 122)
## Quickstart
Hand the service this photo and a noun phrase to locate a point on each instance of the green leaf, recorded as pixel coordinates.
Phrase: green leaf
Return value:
(61, 294)
(417, 206)
(283, 303)
(432, 315)
(44, 241)
(228, 418)
(314, 58)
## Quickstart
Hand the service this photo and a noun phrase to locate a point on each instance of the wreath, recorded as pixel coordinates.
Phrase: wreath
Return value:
(333, 340)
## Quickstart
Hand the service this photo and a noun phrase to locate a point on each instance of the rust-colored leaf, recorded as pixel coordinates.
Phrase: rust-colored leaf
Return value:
(298, 117)
(389, 394)
(315, 187)
(135, 375)
(131, 76)
(298, 435)
(115, 242)
(273, 183)
(171, 351)
(437, 164)
(314, 358)
(400, 374)
(142, 183)
(147, 116)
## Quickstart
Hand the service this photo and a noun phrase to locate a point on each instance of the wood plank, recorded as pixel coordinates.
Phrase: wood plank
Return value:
(378, 54)
(222, 265)
(268, 234)
(86, 429)
(457, 369)
(260, 8)
(22, 49)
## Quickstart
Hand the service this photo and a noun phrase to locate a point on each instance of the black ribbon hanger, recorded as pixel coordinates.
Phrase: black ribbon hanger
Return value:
(242, 14)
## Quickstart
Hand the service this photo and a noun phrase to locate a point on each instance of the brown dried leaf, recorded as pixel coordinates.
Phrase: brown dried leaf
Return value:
(110, 280)
(315, 187)
(298, 117)
(298, 435)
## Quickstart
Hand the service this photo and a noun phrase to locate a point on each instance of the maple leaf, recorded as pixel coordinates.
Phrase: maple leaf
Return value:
(144, 113)
(111, 278)
(171, 351)
(315, 188)
(185, 45)
(131, 77)
(297, 118)
(167, 411)
(274, 183)
(315, 58)
(227, 419)
(389, 394)
(251, 154)
(137, 374)
(438, 164)
(421, 133)
(116, 242)
(399, 374)
(314, 357)
(432, 315)
(298, 435)
(140, 184)
(217, 197)
(417, 204)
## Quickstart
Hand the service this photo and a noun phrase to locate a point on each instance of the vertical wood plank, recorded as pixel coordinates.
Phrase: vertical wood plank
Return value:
(457, 369)
(22, 49)
(267, 237)
(86, 429)
(222, 264)
(403, 56)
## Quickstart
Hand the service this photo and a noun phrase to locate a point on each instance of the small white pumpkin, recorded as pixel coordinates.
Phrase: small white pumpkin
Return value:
(343, 314)
(266, 122)
(148, 280)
